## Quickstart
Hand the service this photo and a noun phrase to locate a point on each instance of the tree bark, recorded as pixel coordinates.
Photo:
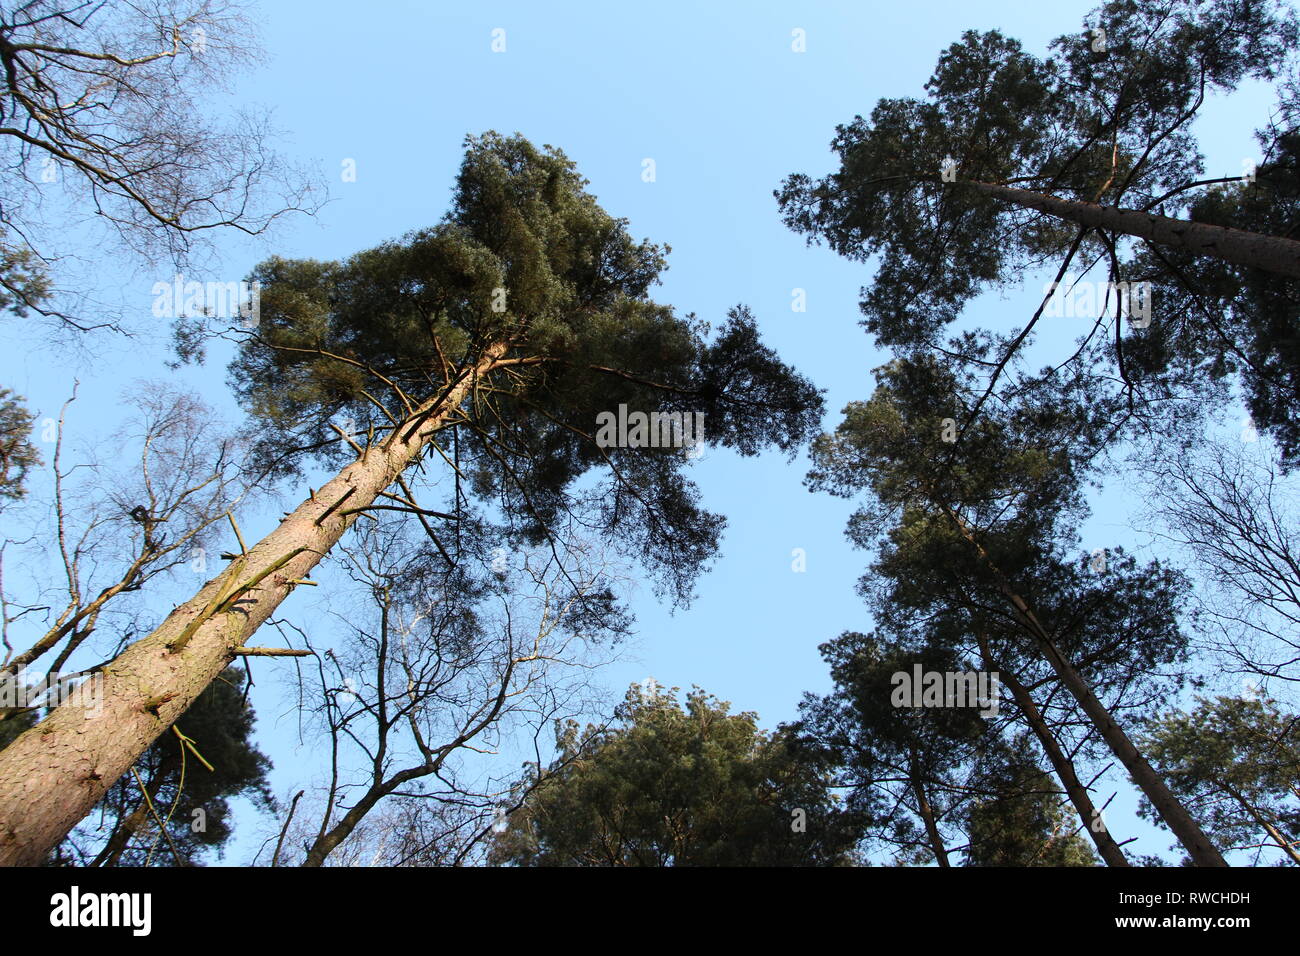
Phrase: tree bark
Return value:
(1110, 851)
(54, 774)
(1269, 253)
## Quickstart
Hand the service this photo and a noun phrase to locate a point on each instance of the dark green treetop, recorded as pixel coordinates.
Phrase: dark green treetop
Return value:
(528, 274)
(674, 786)
(1021, 820)
(1012, 162)
(17, 453)
(1236, 760)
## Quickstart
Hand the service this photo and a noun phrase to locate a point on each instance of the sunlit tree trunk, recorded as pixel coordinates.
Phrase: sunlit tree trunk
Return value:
(55, 773)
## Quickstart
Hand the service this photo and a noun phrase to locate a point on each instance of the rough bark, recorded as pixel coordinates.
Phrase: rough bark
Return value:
(54, 774)
(1270, 253)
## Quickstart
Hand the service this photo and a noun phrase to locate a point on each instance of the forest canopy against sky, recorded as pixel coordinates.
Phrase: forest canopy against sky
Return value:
(870, 442)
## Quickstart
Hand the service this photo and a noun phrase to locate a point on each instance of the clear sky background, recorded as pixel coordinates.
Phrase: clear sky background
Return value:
(715, 95)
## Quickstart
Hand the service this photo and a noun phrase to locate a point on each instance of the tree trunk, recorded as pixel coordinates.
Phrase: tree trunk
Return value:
(52, 775)
(326, 843)
(1281, 840)
(1270, 253)
(927, 814)
(1269, 828)
(1171, 810)
(1110, 851)
(113, 849)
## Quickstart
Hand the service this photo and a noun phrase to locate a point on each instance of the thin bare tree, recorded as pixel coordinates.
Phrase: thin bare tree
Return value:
(108, 116)
(113, 527)
(1227, 505)
(437, 673)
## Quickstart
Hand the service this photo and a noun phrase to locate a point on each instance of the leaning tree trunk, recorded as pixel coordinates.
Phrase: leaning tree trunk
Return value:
(1171, 810)
(1110, 851)
(1270, 253)
(1276, 835)
(116, 845)
(926, 813)
(52, 775)
(326, 843)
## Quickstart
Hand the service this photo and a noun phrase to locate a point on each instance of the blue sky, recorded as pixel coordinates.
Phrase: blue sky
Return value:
(716, 97)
